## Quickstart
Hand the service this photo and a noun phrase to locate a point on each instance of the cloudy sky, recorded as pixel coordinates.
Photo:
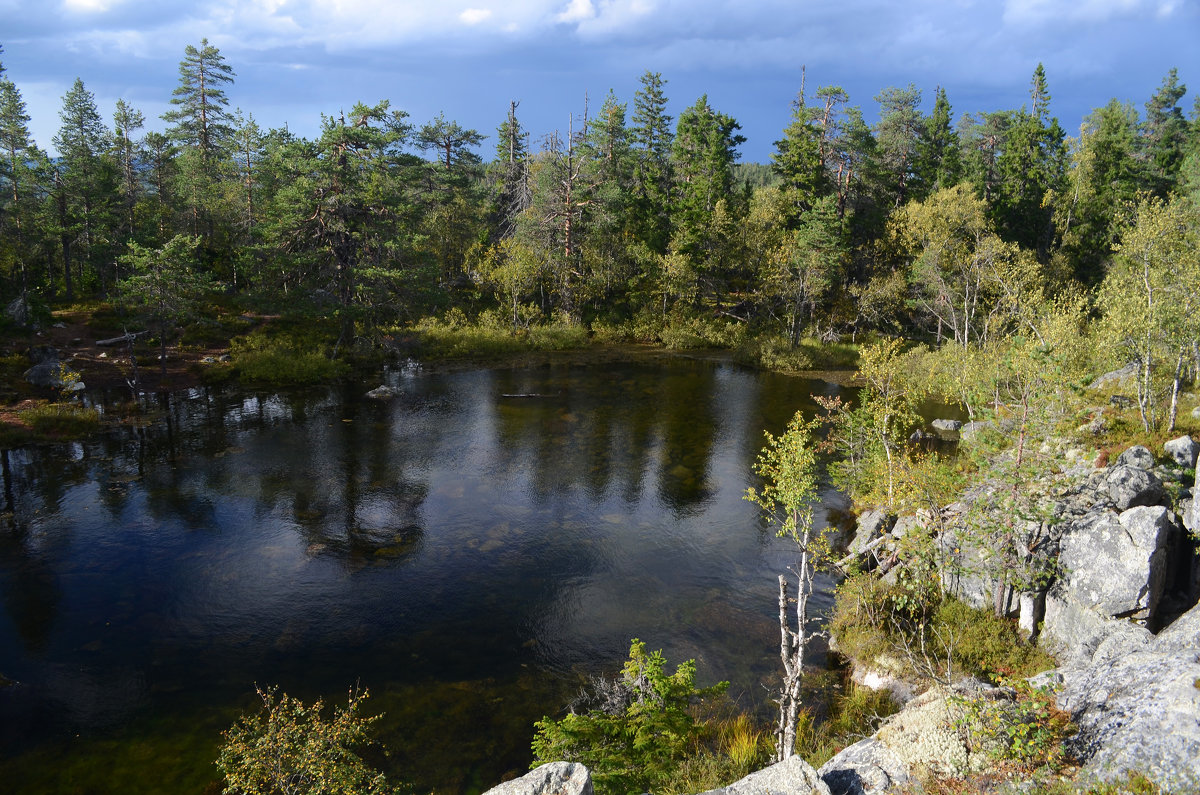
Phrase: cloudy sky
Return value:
(296, 59)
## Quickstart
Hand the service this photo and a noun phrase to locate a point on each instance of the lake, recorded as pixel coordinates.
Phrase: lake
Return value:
(470, 551)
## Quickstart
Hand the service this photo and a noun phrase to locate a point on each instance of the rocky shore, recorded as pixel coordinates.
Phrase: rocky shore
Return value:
(1118, 610)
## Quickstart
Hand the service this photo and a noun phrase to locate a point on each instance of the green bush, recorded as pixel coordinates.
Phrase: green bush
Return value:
(775, 352)
(936, 636)
(455, 337)
(289, 747)
(688, 333)
(637, 730)
(854, 714)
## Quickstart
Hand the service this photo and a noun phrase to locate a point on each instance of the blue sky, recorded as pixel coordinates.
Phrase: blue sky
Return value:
(467, 58)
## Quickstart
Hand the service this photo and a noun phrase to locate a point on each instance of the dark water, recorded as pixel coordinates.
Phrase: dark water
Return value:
(468, 557)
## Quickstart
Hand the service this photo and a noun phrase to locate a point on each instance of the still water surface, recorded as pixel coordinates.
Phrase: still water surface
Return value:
(466, 555)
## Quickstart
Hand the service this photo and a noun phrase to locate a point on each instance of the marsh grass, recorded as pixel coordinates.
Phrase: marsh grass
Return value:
(61, 420)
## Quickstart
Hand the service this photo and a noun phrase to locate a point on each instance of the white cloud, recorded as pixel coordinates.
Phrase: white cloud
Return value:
(577, 11)
(1039, 12)
(87, 6)
(473, 16)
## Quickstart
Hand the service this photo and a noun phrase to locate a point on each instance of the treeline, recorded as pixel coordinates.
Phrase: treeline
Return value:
(918, 224)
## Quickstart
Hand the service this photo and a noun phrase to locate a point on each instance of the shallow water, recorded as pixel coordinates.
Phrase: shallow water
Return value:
(467, 556)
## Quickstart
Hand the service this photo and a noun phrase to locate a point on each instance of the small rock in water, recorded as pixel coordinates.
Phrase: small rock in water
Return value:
(383, 392)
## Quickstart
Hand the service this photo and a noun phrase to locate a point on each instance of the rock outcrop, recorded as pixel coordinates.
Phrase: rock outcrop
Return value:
(1119, 555)
(554, 778)
(791, 777)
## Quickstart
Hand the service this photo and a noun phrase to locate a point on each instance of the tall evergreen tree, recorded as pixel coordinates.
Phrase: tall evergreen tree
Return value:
(1031, 164)
(898, 136)
(87, 182)
(20, 185)
(127, 148)
(940, 162)
(1164, 134)
(653, 180)
(703, 155)
(201, 127)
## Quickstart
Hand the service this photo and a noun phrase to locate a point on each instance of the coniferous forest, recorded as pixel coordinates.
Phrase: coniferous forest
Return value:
(952, 226)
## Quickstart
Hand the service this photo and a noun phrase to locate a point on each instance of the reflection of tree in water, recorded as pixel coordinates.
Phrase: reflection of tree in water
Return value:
(32, 591)
(571, 430)
(689, 428)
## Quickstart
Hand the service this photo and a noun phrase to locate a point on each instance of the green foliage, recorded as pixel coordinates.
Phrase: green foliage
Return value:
(281, 362)
(455, 337)
(289, 748)
(637, 730)
(1029, 729)
(61, 420)
(928, 635)
(855, 713)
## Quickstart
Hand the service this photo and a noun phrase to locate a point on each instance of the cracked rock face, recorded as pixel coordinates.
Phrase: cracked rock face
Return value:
(1130, 486)
(1137, 707)
(1117, 564)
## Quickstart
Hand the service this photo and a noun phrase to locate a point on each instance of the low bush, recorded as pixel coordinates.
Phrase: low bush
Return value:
(636, 732)
(937, 637)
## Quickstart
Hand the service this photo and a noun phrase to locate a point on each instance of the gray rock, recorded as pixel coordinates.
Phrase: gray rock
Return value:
(43, 354)
(1118, 564)
(1129, 486)
(1138, 456)
(1138, 709)
(870, 524)
(18, 312)
(54, 375)
(1116, 378)
(791, 777)
(1183, 451)
(946, 429)
(1196, 412)
(554, 778)
(383, 392)
(972, 429)
(1077, 632)
(866, 768)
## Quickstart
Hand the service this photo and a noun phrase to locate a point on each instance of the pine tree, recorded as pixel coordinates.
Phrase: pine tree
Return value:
(19, 182)
(1164, 134)
(940, 163)
(128, 152)
(653, 180)
(87, 182)
(898, 134)
(201, 128)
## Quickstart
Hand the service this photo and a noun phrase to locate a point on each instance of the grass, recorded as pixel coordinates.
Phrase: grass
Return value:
(774, 352)
(61, 420)
(457, 338)
(940, 639)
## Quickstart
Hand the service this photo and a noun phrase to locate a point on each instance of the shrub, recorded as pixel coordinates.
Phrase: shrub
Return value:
(937, 637)
(290, 748)
(1029, 729)
(637, 730)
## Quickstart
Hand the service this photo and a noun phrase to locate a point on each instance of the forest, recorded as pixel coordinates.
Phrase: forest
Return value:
(628, 225)
(990, 260)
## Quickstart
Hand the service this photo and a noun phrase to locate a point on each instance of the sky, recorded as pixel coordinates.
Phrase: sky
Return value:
(297, 59)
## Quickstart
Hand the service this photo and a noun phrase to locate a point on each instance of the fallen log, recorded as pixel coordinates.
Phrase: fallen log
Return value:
(127, 337)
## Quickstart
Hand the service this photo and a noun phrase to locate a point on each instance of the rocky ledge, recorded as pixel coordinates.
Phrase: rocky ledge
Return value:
(1120, 612)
